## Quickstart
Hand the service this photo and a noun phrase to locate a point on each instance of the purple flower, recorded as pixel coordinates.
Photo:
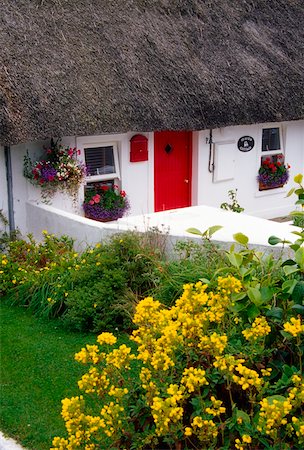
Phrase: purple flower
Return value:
(48, 173)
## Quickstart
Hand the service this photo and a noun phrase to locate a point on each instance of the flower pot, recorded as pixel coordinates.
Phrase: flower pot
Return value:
(99, 220)
(264, 187)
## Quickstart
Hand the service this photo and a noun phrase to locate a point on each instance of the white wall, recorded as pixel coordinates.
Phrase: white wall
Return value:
(268, 204)
(137, 179)
(3, 186)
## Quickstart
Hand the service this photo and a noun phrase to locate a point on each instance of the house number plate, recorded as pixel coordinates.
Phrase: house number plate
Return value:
(245, 143)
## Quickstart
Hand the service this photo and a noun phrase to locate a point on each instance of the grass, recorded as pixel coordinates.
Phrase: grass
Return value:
(37, 371)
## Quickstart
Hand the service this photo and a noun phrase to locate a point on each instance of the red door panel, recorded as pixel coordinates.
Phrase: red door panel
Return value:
(172, 169)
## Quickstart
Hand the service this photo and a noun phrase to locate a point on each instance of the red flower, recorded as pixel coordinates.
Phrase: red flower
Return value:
(122, 193)
(288, 166)
(105, 188)
(279, 164)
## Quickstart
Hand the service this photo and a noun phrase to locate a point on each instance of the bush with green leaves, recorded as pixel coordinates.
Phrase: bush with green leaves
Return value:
(94, 290)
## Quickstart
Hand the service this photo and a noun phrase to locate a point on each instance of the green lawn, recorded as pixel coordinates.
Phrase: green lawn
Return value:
(37, 371)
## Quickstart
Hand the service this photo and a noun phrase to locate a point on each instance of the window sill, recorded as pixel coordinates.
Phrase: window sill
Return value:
(275, 191)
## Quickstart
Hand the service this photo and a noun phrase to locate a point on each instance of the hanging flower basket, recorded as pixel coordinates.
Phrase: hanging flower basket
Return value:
(57, 170)
(273, 173)
(104, 203)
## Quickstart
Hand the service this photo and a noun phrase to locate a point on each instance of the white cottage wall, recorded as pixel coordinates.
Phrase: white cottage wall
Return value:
(136, 178)
(267, 204)
(3, 187)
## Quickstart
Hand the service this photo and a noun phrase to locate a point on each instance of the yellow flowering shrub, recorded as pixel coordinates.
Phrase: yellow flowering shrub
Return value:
(190, 379)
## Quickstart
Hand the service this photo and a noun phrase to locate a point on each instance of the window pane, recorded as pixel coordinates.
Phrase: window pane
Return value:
(271, 139)
(100, 160)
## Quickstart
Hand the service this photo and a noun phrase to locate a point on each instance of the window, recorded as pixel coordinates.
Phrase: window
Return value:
(101, 161)
(271, 173)
(271, 140)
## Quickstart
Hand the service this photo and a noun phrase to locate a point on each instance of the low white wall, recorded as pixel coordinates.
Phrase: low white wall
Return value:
(175, 223)
(56, 221)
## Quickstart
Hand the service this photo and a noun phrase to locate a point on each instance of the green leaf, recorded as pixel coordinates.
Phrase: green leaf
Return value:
(253, 312)
(194, 231)
(205, 280)
(241, 238)
(285, 334)
(239, 296)
(273, 240)
(299, 309)
(290, 269)
(213, 229)
(290, 192)
(299, 257)
(235, 258)
(266, 294)
(288, 262)
(298, 292)
(255, 296)
(275, 312)
(288, 286)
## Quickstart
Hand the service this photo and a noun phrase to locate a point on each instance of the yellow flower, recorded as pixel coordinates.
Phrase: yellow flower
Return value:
(259, 329)
(106, 338)
(294, 327)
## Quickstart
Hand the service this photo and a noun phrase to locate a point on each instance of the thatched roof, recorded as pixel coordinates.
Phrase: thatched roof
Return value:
(96, 66)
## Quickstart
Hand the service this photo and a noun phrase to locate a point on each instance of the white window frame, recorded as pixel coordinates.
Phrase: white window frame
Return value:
(272, 152)
(261, 154)
(95, 143)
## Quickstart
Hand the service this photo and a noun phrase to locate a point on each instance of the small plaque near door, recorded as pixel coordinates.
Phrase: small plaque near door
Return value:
(245, 143)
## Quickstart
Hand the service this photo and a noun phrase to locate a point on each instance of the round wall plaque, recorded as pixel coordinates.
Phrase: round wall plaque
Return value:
(245, 143)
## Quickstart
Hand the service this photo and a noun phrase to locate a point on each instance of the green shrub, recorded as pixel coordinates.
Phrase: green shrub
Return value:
(190, 262)
(94, 290)
(94, 306)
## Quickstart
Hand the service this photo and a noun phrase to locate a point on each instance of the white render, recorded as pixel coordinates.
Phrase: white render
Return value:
(234, 170)
(3, 187)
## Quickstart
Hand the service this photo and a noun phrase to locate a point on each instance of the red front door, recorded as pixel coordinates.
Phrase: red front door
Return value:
(172, 169)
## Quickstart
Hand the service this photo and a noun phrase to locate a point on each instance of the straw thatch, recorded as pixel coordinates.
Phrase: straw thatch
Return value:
(96, 66)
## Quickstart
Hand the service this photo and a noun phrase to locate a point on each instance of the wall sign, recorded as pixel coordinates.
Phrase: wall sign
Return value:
(245, 143)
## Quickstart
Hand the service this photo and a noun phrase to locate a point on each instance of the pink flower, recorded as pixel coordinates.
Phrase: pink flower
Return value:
(96, 198)
(91, 202)
(70, 152)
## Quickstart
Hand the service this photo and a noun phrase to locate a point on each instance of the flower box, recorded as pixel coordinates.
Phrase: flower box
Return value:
(264, 187)
(104, 203)
(273, 173)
